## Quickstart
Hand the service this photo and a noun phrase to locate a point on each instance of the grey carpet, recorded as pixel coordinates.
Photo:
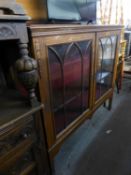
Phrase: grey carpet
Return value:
(110, 152)
(101, 146)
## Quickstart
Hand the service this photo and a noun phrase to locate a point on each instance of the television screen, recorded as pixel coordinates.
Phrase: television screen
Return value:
(74, 10)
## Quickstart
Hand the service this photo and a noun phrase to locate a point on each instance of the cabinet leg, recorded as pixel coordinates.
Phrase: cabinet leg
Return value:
(104, 104)
(117, 87)
(52, 168)
(110, 103)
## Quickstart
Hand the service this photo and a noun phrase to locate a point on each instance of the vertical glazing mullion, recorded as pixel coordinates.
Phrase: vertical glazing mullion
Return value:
(82, 82)
(64, 104)
(62, 72)
(82, 72)
(63, 97)
(89, 47)
(101, 64)
(113, 44)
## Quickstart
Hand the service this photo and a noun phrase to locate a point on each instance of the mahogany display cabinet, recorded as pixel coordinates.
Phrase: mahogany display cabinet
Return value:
(77, 68)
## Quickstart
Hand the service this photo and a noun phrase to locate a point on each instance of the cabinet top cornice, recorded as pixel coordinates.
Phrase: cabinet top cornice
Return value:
(46, 29)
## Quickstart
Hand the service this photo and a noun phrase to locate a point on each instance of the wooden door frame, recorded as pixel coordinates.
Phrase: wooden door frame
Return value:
(55, 141)
(109, 93)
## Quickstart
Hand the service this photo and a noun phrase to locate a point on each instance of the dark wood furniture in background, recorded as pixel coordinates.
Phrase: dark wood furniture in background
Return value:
(22, 146)
(120, 65)
(22, 140)
(77, 68)
(127, 59)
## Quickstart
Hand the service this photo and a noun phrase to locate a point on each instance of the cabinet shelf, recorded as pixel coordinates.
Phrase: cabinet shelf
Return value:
(101, 76)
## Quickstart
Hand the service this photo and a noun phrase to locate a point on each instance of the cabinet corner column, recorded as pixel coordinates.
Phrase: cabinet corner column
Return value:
(27, 72)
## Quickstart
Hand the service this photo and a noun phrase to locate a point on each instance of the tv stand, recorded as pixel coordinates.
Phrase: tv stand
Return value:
(77, 74)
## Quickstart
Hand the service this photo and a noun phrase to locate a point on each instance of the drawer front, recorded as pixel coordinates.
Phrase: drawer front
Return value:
(24, 165)
(18, 149)
(15, 137)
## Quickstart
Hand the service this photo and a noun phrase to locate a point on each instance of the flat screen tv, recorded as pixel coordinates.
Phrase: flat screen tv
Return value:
(72, 10)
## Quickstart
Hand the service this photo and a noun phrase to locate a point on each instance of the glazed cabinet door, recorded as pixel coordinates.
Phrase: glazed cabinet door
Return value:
(69, 71)
(105, 64)
(67, 65)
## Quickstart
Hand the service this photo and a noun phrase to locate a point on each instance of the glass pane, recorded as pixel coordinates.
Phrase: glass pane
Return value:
(69, 72)
(18, 165)
(56, 78)
(59, 120)
(86, 73)
(72, 72)
(104, 73)
(73, 109)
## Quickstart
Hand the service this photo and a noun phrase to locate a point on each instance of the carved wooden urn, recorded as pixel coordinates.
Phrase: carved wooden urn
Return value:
(27, 71)
(13, 27)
